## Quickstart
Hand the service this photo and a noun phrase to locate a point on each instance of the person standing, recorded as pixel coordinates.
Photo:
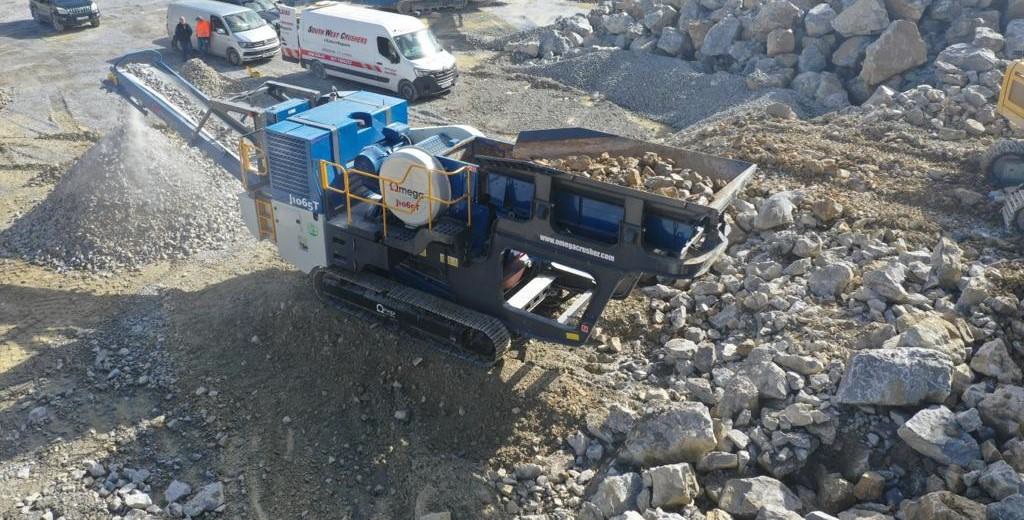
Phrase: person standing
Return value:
(203, 35)
(183, 37)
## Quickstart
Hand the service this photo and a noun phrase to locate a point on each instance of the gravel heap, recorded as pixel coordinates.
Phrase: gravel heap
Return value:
(836, 53)
(204, 77)
(5, 98)
(694, 95)
(135, 197)
(651, 173)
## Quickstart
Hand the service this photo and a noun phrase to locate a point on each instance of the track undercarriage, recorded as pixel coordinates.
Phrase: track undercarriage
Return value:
(456, 330)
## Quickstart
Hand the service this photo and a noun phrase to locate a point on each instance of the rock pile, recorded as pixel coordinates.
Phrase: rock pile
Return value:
(5, 98)
(204, 77)
(137, 196)
(649, 173)
(131, 494)
(748, 404)
(946, 57)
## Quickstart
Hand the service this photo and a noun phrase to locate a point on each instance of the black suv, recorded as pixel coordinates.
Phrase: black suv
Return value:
(65, 13)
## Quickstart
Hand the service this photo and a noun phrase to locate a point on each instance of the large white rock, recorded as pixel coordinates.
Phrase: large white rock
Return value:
(863, 17)
(993, 359)
(1014, 35)
(968, 57)
(775, 14)
(935, 433)
(830, 281)
(818, 21)
(775, 212)
(672, 41)
(618, 23)
(896, 377)
(947, 266)
(999, 480)
(899, 49)
(887, 283)
(672, 485)
(209, 498)
(907, 9)
(744, 497)
(177, 490)
(682, 433)
(616, 495)
(1003, 410)
(930, 331)
(719, 38)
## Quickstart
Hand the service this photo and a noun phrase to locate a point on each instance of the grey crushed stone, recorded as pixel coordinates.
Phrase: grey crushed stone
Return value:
(680, 95)
(135, 197)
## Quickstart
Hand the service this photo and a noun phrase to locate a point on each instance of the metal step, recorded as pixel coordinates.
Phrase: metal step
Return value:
(533, 293)
(1011, 207)
(574, 307)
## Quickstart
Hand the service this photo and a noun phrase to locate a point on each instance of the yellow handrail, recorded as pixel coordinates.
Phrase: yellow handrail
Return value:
(469, 170)
(243, 158)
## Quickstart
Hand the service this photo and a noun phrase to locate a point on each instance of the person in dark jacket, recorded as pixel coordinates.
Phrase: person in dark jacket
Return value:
(183, 38)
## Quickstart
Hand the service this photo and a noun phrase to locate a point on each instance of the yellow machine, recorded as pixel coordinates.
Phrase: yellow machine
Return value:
(1003, 162)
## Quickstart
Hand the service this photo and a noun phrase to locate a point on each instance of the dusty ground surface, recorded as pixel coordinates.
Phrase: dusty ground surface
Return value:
(225, 367)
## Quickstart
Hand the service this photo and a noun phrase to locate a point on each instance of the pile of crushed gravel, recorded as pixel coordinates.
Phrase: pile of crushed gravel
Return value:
(137, 196)
(680, 95)
(205, 77)
(5, 98)
(651, 173)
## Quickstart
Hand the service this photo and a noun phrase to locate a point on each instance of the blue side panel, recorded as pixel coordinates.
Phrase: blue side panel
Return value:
(588, 217)
(294, 152)
(286, 109)
(666, 234)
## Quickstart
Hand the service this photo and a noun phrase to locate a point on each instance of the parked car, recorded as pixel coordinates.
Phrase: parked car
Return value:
(265, 8)
(62, 14)
(238, 33)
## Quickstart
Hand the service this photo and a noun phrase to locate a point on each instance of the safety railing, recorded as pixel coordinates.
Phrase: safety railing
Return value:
(382, 203)
(245, 160)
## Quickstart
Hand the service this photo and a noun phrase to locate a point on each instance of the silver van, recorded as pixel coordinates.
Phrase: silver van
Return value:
(237, 33)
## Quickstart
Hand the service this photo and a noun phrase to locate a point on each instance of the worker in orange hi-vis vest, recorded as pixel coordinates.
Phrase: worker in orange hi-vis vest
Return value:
(203, 35)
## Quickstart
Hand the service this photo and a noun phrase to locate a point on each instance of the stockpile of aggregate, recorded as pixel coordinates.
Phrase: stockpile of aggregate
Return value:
(135, 197)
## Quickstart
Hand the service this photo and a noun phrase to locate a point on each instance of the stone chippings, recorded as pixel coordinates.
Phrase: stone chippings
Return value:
(130, 200)
(934, 64)
(650, 172)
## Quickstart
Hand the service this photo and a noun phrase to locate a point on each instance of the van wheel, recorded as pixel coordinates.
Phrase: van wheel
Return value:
(35, 16)
(95, 22)
(407, 91)
(234, 58)
(318, 69)
(57, 26)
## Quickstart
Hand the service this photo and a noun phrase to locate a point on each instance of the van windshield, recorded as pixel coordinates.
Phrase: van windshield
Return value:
(244, 21)
(419, 44)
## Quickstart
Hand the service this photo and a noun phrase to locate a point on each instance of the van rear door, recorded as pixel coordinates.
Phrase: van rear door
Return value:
(291, 49)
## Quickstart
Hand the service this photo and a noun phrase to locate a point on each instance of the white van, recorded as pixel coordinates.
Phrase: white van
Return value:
(237, 33)
(389, 50)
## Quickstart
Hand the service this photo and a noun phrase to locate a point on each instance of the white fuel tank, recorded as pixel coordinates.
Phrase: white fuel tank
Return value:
(407, 176)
